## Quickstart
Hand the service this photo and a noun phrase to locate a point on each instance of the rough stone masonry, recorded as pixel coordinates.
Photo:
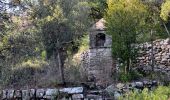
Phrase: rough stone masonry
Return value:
(99, 65)
(161, 52)
(161, 58)
(97, 62)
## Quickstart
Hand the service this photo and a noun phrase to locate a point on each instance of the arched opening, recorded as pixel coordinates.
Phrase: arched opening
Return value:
(100, 39)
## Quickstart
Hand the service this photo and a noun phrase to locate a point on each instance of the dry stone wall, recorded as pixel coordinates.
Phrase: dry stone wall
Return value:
(161, 57)
(71, 93)
(98, 65)
(161, 52)
(76, 93)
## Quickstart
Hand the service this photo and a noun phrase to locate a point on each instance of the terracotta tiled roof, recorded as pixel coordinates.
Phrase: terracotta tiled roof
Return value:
(99, 25)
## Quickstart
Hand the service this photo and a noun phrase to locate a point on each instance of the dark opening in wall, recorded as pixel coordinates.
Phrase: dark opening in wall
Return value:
(100, 39)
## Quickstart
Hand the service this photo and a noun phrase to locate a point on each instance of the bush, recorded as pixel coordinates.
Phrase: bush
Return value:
(161, 93)
(124, 77)
(132, 75)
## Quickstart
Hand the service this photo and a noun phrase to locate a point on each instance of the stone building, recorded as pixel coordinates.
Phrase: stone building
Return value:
(98, 62)
(99, 65)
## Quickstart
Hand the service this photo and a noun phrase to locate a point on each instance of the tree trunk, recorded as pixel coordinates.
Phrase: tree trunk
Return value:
(61, 68)
(152, 54)
(128, 58)
(166, 29)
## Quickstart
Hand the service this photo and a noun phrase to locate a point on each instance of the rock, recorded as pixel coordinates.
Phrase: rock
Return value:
(139, 85)
(116, 95)
(145, 83)
(4, 94)
(163, 60)
(167, 41)
(72, 90)
(111, 89)
(10, 94)
(94, 97)
(132, 85)
(40, 93)
(125, 89)
(25, 94)
(157, 58)
(77, 96)
(154, 83)
(18, 94)
(120, 85)
(32, 93)
(51, 94)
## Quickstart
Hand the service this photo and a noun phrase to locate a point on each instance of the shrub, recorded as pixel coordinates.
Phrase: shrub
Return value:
(132, 75)
(161, 93)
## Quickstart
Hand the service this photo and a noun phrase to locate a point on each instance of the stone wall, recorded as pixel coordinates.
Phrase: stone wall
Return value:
(98, 65)
(161, 52)
(101, 65)
(161, 57)
(76, 93)
(72, 93)
(92, 37)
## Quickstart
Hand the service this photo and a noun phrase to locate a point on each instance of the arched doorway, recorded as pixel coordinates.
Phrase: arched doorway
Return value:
(100, 39)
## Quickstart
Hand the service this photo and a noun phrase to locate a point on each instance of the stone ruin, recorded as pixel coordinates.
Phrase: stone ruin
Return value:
(99, 65)
(97, 62)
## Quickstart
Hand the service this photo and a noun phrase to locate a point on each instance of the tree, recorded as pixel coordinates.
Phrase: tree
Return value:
(97, 8)
(165, 15)
(48, 28)
(60, 27)
(124, 21)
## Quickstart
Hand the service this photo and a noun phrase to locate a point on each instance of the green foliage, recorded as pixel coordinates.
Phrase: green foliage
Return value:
(161, 93)
(45, 29)
(165, 10)
(130, 22)
(124, 20)
(123, 77)
(84, 45)
(44, 54)
(98, 8)
(132, 75)
(60, 26)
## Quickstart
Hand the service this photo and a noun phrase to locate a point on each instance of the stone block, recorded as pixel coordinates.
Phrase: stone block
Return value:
(77, 96)
(72, 90)
(163, 60)
(10, 94)
(4, 94)
(18, 94)
(26, 96)
(51, 94)
(32, 93)
(40, 93)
